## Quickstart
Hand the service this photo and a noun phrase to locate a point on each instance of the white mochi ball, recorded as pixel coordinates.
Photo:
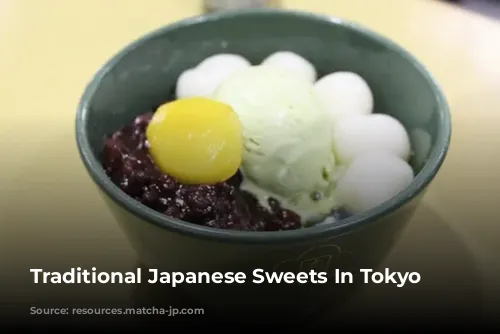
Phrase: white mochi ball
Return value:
(203, 80)
(357, 134)
(226, 62)
(290, 61)
(193, 83)
(344, 93)
(372, 179)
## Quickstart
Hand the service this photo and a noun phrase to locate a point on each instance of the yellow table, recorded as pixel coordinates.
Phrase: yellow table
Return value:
(51, 215)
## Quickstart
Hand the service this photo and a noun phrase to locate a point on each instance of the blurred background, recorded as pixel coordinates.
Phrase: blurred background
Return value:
(486, 7)
(51, 48)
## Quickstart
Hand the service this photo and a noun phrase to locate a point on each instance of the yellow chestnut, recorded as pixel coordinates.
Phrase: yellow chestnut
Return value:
(196, 140)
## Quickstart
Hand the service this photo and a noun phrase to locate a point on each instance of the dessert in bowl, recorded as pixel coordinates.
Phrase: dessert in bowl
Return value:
(267, 139)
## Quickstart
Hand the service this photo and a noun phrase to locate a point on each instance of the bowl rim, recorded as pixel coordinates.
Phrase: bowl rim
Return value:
(345, 226)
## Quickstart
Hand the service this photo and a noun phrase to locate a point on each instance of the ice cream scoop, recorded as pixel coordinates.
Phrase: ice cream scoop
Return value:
(196, 140)
(372, 179)
(344, 94)
(287, 139)
(357, 134)
(290, 61)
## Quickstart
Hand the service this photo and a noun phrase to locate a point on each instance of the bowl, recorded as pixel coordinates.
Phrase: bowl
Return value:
(143, 75)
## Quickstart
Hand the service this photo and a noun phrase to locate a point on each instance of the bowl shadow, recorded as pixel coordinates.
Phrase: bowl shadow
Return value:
(450, 284)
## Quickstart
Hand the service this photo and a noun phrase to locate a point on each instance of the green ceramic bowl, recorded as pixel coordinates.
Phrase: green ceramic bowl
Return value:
(143, 75)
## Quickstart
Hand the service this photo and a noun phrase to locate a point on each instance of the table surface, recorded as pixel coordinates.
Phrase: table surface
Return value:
(50, 210)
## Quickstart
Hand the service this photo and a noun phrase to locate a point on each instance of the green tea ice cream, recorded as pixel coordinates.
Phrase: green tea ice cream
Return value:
(288, 145)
